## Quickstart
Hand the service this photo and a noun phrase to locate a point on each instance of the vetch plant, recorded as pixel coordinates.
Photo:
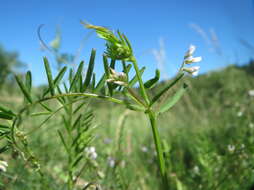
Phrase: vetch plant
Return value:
(77, 132)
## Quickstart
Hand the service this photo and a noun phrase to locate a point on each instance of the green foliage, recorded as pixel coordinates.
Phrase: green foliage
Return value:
(204, 142)
(9, 64)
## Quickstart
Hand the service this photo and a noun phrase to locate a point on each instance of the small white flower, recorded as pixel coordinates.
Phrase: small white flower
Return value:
(91, 152)
(251, 92)
(196, 170)
(119, 78)
(231, 148)
(191, 59)
(111, 162)
(192, 70)
(190, 51)
(144, 149)
(3, 166)
(240, 114)
(251, 125)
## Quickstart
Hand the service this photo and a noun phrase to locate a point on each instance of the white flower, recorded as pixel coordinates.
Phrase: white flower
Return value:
(111, 162)
(144, 149)
(119, 78)
(251, 92)
(192, 70)
(196, 170)
(251, 125)
(91, 152)
(190, 51)
(191, 59)
(231, 148)
(3, 166)
(240, 114)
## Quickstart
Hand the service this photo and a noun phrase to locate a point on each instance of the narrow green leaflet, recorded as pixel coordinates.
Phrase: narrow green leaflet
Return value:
(29, 81)
(63, 141)
(89, 70)
(57, 79)
(5, 116)
(105, 64)
(151, 83)
(100, 84)
(24, 89)
(6, 110)
(171, 101)
(49, 76)
(166, 88)
(77, 76)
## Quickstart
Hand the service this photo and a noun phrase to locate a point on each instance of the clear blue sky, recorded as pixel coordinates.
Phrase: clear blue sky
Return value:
(143, 21)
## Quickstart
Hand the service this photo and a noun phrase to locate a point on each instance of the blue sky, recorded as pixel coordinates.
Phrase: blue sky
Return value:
(178, 22)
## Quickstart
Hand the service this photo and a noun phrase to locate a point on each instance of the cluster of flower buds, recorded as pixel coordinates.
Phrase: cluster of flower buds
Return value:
(3, 166)
(91, 153)
(189, 59)
(118, 48)
(119, 78)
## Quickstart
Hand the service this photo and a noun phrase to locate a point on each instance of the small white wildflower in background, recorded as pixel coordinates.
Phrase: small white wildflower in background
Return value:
(242, 146)
(231, 148)
(251, 92)
(251, 125)
(192, 70)
(239, 114)
(3, 166)
(91, 153)
(144, 149)
(111, 162)
(196, 170)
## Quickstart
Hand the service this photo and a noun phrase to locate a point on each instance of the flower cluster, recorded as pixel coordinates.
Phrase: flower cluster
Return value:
(189, 59)
(91, 153)
(118, 48)
(119, 78)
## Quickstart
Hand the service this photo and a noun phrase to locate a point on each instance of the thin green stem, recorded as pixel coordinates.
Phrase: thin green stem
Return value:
(141, 84)
(158, 146)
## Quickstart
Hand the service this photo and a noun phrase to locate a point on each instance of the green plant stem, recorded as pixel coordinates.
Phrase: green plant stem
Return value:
(141, 84)
(70, 173)
(158, 146)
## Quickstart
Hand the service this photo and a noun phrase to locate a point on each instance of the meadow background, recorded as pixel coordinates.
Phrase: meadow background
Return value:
(208, 136)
